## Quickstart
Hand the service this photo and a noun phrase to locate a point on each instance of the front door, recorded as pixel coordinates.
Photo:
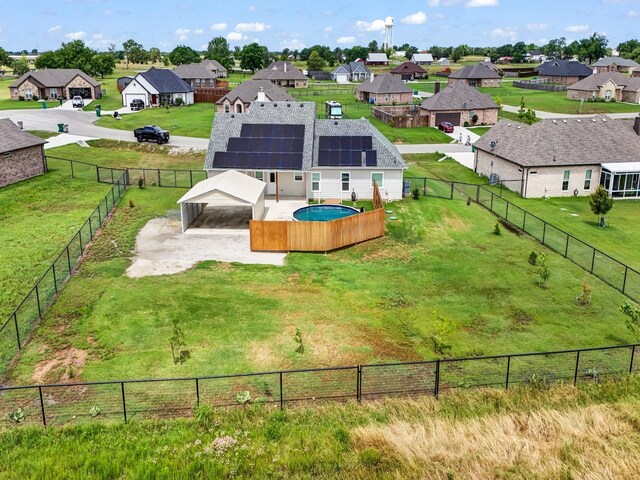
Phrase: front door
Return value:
(271, 183)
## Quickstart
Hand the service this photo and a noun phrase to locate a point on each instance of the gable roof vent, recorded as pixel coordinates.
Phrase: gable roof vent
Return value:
(593, 120)
(579, 121)
(564, 121)
(554, 121)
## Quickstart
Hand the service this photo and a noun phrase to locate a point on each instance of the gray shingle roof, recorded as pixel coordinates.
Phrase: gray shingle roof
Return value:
(458, 96)
(384, 84)
(248, 90)
(193, 70)
(351, 68)
(13, 138)
(563, 142)
(622, 62)
(476, 72)
(165, 81)
(594, 82)
(563, 68)
(227, 125)
(54, 77)
(279, 71)
(213, 65)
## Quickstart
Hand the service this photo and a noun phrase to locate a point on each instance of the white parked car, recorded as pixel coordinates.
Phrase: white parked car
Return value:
(77, 102)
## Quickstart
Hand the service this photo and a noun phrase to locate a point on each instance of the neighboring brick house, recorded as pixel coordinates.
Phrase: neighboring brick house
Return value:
(460, 103)
(215, 67)
(384, 90)
(563, 157)
(239, 99)
(478, 75)
(409, 71)
(564, 72)
(615, 64)
(607, 86)
(55, 83)
(21, 154)
(196, 75)
(283, 74)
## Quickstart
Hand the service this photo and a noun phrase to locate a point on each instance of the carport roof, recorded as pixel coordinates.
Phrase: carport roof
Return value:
(230, 182)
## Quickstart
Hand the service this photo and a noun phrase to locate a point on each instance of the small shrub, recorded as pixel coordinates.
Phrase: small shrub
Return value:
(468, 201)
(342, 436)
(21, 98)
(369, 457)
(140, 183)
(466, 124)
(533, 258)
(392, 122)
(444, 328)
(131, 203)
(273, 432)
(415, 193)
(593, 374)
(633, 317)
(178, 102)
(178, 346)
(543, 271)
(204, 415)
(243, 397)
(45, 98)
(17, 416)
(584, 298)
(94, 411)
(35, 98)
(298, 339)
(496, 229)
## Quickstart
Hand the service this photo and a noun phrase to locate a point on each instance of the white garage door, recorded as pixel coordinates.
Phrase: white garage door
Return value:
(129, 97)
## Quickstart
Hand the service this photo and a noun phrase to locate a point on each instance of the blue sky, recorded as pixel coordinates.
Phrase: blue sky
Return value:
(295, 24)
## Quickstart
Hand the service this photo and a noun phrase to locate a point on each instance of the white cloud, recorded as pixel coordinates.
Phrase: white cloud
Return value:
(236, 36)
(482, 3)
(439, 16)
(328, 29)
(198, 31)
(418, 18)
(252, 27)
(577, 28)
(293, 44)
(182, 34)
(346, 40)
(537, 27)
(375, 26)
(75, 35)
(54, 29)
(508, 32)
(219, 26)
(633, 13)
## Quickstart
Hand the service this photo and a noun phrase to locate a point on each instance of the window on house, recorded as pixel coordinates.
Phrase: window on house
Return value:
(315, 181)
(565, 180)
(260, 176)
(53, 93)
(587, 179)
(297, 176)
(27, 94)
(226, 108)
(607, 95)
(378, 178)
(346, 181)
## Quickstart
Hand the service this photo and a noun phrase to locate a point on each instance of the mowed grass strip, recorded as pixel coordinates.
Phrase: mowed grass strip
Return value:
(379, 301)
(37, 218)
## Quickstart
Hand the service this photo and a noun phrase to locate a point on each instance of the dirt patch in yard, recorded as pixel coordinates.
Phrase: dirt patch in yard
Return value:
(65, 366)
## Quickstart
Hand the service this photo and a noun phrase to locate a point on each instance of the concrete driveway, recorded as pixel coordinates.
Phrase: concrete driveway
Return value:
(464, 134)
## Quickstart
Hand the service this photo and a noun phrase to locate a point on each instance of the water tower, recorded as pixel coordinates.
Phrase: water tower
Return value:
(388, 33)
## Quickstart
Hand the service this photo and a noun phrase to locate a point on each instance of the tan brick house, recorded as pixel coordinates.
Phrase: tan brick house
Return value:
(460, 104)
(239, 99)
(384, 90)
(609, 86)
(615, 64)
(479, 75)
(21, 154)
(283, 74)
(55, 83)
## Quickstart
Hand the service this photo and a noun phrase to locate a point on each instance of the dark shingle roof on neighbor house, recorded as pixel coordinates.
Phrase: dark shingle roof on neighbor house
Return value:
(386, 83)
(622, 62)
(13, 138)
(458, 96)
(248, 91)
(408, 68)
(193, 70)
(476, 72)
(563, 142)
(165, 81)
(54, 77)
(594, 82)
(280, 71)
(563, 68)
(213, 65)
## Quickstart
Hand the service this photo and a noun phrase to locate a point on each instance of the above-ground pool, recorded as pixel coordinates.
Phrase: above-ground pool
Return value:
(323, 213)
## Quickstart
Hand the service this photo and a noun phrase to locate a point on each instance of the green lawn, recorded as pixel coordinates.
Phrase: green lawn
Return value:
(480, 130)
(590, 431)
(192, 121)
(440, 260)
(37, 218)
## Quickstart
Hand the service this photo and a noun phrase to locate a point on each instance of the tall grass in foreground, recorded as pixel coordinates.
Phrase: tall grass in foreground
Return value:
(591, 432)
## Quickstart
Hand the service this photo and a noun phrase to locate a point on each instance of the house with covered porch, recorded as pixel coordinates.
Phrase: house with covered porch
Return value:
(157, 87)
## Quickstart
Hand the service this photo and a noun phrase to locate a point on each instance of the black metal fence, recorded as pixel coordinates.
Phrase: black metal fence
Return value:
(615, 273)
(59, 404)
(17, 328)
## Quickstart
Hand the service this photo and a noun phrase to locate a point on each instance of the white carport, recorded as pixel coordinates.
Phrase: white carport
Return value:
(228, 189)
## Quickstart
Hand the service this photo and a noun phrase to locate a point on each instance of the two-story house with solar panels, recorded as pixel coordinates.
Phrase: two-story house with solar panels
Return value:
(295, 154)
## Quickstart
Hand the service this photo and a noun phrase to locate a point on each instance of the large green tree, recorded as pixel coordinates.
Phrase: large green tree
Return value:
(20, 67)
(218, 49)
(252, 57)
(4, 57)
(131, 47)
(625, 48)
(75, 54)
(155, 55)
(183, 54)
(102, 64)
(593, 48)
(49, 59)
(315, 62)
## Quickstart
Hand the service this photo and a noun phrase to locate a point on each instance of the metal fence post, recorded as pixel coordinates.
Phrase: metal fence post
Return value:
(424, 187)
(197, 393)
(593, 260)
(175, 179)
(451, 190)
(55, 280)
(524, 221)
(38, 301)
(68, 259)
(191, 178)
(436, 387)
(159, 180)
(575, 375)
(80, 238)
(633, 352)
(124, 403)
(15, 321)
(544, 231)
(478, 194)
(97, 173)
(359, 383)
(624, 282)
(506, 385)
(112, 179)
(491, 206)
(72, 174)
(281, 395)
(44, 419)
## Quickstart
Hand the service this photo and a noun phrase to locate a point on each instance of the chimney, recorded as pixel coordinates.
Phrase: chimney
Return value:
(261, 96)
(371, 77)
(636, 125)
(437, 88)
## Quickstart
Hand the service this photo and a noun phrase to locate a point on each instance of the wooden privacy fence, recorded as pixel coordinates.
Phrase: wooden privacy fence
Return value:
(209, 94)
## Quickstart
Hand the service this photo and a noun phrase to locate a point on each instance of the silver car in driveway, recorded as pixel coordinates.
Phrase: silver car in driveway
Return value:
(77, 102)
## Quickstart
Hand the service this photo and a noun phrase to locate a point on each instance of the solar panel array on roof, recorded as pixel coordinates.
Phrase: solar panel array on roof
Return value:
(344, 151)
(264, 147)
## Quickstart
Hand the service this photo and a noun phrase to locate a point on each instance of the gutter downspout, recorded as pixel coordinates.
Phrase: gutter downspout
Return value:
(523, 185)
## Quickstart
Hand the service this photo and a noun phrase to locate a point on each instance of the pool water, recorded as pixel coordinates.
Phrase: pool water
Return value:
(323, 213)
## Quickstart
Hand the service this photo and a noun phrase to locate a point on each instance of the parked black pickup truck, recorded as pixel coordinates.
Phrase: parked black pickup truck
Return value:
(151, 133)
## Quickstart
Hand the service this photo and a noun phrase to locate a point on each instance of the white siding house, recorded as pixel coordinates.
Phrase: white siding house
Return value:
(157, 87)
